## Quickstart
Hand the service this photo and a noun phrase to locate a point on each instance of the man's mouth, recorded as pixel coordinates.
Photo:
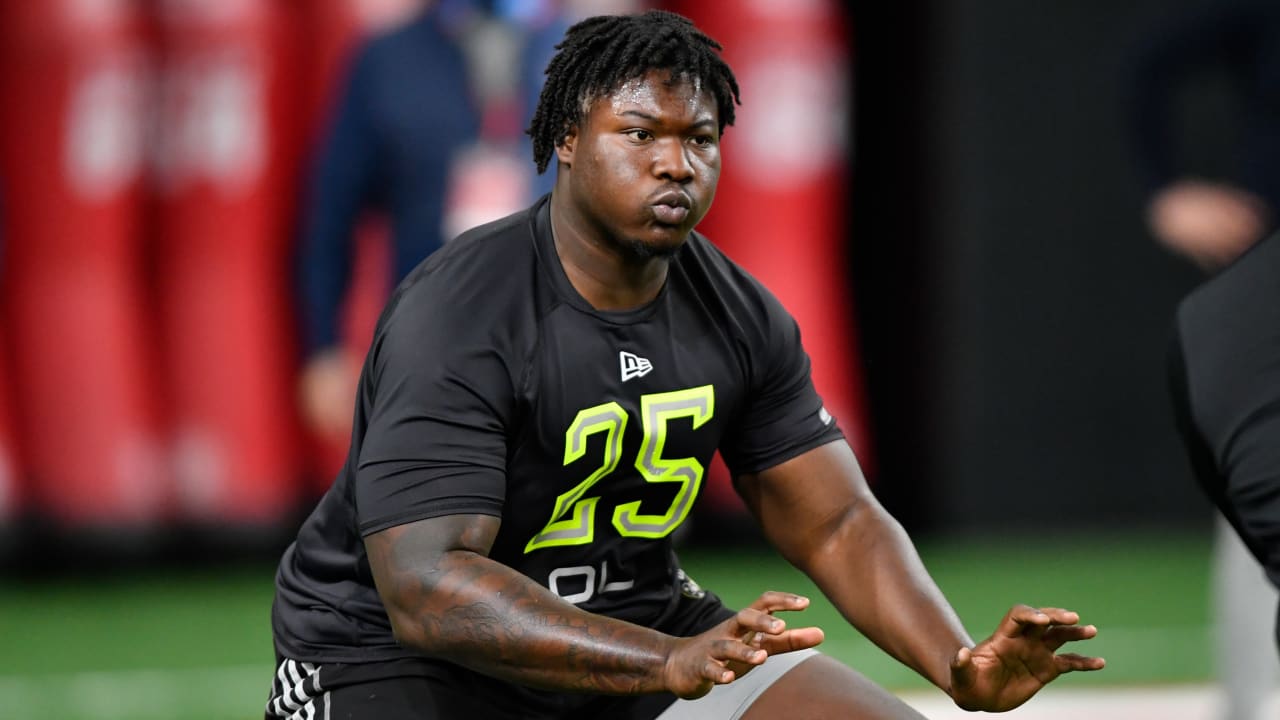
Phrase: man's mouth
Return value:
(670, 214)
(671, 208)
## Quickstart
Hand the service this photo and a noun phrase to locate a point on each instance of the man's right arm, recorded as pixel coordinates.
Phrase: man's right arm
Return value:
(446, 598)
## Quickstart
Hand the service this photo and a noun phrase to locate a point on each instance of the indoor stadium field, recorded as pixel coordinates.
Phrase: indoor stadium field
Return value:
(195, 645)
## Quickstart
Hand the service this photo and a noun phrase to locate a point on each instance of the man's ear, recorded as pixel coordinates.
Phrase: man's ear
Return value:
(565, 148)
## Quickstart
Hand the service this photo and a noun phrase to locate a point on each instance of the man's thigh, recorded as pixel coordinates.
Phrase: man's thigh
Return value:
(821, 687)
(796, 686)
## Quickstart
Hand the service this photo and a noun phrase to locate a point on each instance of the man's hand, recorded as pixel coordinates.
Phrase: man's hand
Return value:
(1006, 669)
(729, 650)
(780, 642)
(327, 392)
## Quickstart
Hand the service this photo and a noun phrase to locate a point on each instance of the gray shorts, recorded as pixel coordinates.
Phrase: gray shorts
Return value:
(730, 702)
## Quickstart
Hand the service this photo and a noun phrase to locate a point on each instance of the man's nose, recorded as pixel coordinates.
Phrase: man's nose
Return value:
(672, 161)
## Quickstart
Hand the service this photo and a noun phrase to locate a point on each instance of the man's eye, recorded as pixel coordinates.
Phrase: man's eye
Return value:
(640, 135)
(703, 140)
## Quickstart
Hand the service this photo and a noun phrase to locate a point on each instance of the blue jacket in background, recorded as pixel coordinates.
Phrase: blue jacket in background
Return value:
(405, 109)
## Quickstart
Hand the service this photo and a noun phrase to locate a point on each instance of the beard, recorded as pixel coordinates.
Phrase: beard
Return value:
(640, 250)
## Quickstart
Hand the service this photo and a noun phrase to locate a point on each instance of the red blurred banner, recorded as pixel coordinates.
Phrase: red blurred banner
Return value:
(73, 81)
(11, 490)
(225, 188)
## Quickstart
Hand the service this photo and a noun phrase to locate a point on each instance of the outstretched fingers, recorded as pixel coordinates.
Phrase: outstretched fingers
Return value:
(774, 637)
(1057, 636)
(751, 621)
(1071, 662)
(1024, 621)
(1055, 627)
(792, 640)
(733, 649)
(1020, 658)
(1060, 616)
(773, 601)
(714, 657)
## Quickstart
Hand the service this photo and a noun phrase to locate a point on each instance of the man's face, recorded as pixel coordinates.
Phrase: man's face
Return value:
(644, 163)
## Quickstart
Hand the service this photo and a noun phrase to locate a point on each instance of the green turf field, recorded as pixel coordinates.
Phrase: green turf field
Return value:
(196, 645)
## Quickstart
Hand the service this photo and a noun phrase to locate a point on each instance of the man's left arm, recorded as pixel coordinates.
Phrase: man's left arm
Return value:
(819, 512)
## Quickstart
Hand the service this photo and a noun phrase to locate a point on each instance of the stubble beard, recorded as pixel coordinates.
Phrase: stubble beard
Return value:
(640, 250)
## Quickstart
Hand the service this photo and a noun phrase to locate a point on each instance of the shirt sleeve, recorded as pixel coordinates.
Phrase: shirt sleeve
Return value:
(439, 398)
(782, 416)
(1224, 369)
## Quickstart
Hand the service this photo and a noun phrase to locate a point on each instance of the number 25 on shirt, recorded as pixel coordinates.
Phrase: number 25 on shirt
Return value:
(573, 520)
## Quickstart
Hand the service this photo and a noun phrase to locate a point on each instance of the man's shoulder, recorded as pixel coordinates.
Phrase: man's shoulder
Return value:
(701, 258)
(498, 246)
(516, 227)
(746, 300)
(484, 272)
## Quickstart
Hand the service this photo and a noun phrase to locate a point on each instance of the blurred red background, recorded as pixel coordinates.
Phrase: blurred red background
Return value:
(152, 154)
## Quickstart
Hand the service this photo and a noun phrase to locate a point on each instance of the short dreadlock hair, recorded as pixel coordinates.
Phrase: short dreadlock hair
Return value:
(600, 54)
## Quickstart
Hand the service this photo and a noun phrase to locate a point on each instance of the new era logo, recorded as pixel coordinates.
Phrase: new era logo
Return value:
(633, 366)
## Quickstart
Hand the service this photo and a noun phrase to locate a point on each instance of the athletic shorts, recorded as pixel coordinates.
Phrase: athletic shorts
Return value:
(305, 691)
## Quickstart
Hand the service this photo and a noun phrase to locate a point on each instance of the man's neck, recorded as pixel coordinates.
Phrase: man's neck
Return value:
(598, 268)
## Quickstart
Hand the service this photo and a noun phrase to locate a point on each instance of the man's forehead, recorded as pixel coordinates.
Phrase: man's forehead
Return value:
(668, 79)
(654, 88)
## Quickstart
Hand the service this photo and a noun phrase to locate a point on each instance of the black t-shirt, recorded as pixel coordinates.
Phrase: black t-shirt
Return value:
(492, 387)
(1224, 373)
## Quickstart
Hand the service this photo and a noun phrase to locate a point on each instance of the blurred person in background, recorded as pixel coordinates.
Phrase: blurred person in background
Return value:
(435, 168)
(1212, 210)
(1224, 374)
(545, 22)
(406, 109)
(1211, 214)
(508, 47)
(582, 359)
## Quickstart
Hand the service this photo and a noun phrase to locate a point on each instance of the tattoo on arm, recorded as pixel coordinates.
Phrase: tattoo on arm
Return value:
(452, 601)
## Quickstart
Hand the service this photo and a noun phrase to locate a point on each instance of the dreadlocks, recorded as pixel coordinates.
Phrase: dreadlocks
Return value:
(598, 55)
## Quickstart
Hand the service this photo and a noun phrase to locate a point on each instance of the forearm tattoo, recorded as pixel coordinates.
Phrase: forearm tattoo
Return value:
(471, 610)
